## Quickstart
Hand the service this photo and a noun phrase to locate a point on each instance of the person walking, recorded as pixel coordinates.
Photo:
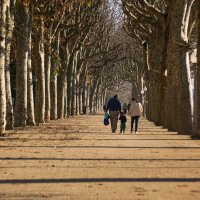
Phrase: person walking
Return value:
(114, 107)
(135, 112)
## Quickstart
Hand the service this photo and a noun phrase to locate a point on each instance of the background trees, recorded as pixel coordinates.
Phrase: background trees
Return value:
(67, 54)
(167, 32)
(59, 50)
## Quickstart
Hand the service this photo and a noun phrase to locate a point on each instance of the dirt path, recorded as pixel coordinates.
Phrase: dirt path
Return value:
(79, 159)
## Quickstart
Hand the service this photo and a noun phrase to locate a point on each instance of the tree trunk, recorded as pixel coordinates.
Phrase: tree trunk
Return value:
(65, 97)
(84, 88)
(2, 66)
(80, 92)
(30, 99)
(53, 91)
(69, 84)
(162, 89)
(134, 90)
(77, 94)
(40, 75)
(87, 95)
(178, 93)
(9, 36)
(97, 97)
(198, 72)
(61, 95)
(147, 76)
(22, 26)
(61, 85)
(73, 97)
(47, 83)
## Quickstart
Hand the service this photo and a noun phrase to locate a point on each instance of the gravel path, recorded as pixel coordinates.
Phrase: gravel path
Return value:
(80, 159)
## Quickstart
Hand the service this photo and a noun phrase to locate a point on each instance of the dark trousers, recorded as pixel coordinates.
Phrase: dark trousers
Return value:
(114, 119)
(122, 127)
(136, 119)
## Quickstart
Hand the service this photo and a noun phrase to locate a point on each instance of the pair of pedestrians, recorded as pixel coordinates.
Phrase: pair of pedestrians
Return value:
(114, 107)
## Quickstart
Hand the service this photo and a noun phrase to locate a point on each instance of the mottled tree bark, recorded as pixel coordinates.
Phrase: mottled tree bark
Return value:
(30, 99)
(163, 83)
(84, 96)
(80, 92)
(47, 83)
(22, 19)
(40, 75)
(65, 97)
(88, 91)
(61, 95)
(82, 88)
(73, 97)
(69, 84)
(134, 90)
(61, 85)
(97, 96)
(77, 94)
(2, 66)
(53, 90)
(178, 94)
(9, 36)
(198, 72)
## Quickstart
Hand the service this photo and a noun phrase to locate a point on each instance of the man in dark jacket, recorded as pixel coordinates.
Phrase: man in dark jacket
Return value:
(114, 107)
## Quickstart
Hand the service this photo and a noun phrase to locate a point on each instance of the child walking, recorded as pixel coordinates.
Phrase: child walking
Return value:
(123, 120)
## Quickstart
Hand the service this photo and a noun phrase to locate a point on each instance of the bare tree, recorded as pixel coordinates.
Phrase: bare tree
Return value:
(198, 72)
(3, 5)
(22, 46)
(9, 36)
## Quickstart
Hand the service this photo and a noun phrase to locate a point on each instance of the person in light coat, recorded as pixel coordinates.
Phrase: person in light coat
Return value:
(135, 112)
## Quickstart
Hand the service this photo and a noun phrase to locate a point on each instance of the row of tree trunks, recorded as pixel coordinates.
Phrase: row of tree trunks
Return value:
(155, 77)
(168, 70)
(167, 47)
(50, 84)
